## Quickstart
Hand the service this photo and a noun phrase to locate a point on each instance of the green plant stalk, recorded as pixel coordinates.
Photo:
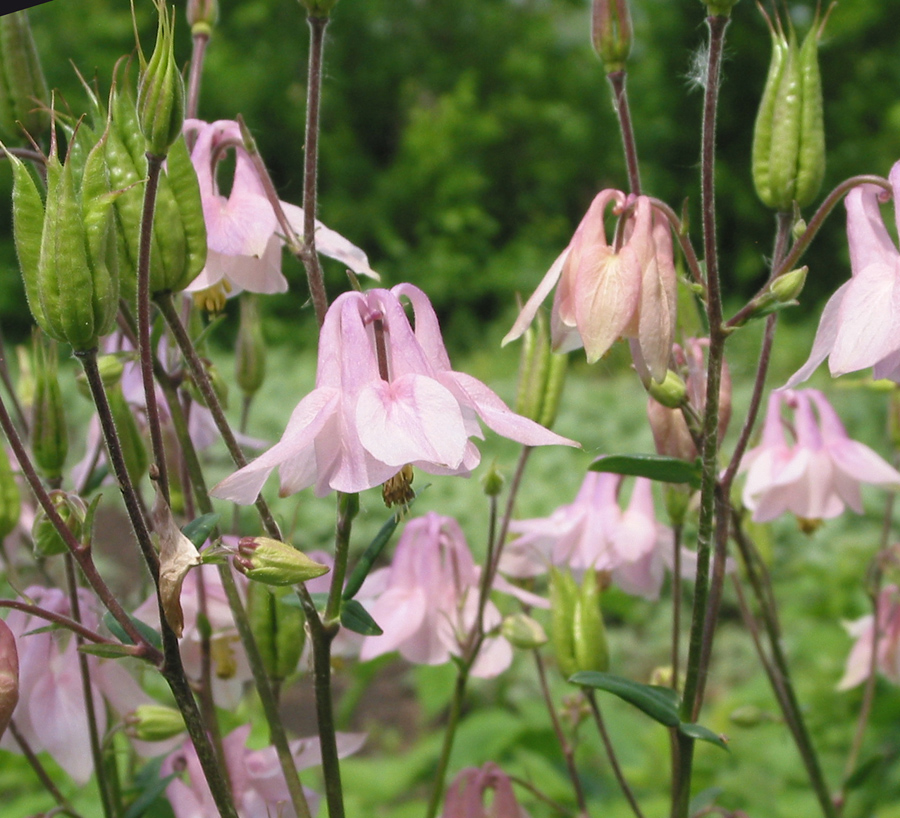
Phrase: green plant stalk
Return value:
(81, 553)
(459, 694)
(683, 762)
(103, 785)
(172, 669)
(263, 687)
(611, 754)
(308, 255)
(154, 166)
(786, 695)
(39, 770)
(620, 101)
(199, 40)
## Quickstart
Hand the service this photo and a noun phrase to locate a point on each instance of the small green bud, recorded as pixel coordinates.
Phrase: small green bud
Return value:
(719, 8)
(788, 155)
(154, 722)
(47, 540)
(278, 628)
(202, 15)
(611, 33)
(788, 287)
(318, 8)
(110, 367)
(24, 98)
(49, 435)
(522, 631)
(250, 350)
(798, 229)
(492, 481)
(671, 393)
(219, 385)
(10, 497)
(749, 715)
(160, 100)
(275, 563)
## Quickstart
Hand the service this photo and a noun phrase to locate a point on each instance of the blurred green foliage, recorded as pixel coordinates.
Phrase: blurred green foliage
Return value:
(463, 140)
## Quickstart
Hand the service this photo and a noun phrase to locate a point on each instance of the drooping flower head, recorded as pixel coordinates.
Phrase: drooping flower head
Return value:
(815, 475)
(426, 602)
(385, 397)
(606, 291)
(860, 324)
(887, 661)
(242, 228)
(466, 795)
(594, 533)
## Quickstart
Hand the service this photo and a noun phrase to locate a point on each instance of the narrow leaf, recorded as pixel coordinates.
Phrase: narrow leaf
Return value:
(108, 651)
(701, 733)
(660, 703)
(198, 529)
(150, 634)
(367, 560)
(653, 466)
(357, 619)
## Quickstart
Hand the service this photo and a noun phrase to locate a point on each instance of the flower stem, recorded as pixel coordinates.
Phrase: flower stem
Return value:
(310, 259)
(611, 754)
(154, 166)
(620, 101)
(39, 769)
(437, 788)
(199, 39)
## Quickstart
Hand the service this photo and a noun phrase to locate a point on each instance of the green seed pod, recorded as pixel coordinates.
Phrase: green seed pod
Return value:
(160, 99)
(202, 16)
(132, 441)
(10, 497)
(49, 437)
(178, 243)
(788, 154)
(47, 540)
(110, 368)
(563, 599)
(250, 350)
(719, 8)
(318, 8)
(589, 638)
(278, 628)
(611, 33)
(23, 90)
(541, 375)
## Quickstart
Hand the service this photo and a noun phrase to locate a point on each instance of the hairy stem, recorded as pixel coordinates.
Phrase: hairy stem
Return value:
(620, 101)
(611, 755)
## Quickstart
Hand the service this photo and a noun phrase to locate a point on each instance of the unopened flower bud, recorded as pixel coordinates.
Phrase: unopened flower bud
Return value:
(110, 368)
(10, 497)
(672, 392)
(49, 436)
(250, 350)
(719, 8)
(789, 134)
(154, 722)
(273, 562)
(318, 8)
(24, 99)
(611, 33)
(492, 481)
(202, 15)
(750, 715)
(522, 631)
(278, 628)
(160, 100)
(788, 287)
(9, 675)
(46, 538)
(577, 629)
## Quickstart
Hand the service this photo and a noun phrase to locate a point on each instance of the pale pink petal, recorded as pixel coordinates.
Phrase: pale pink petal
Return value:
(826, 335)
(526, 316)
(867, 237)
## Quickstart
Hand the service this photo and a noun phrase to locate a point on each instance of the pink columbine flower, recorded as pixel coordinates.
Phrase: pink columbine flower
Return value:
(887, 662)
(51, 713)
(242, 229)
(257, 782)
(9, 676)
(594, 533)
(385, 397)
(465, 795)
(609, 291)
(427, 600)
(816, 474)
(860, 324)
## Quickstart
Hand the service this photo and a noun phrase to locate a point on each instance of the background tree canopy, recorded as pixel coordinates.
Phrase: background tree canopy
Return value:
(462, 141)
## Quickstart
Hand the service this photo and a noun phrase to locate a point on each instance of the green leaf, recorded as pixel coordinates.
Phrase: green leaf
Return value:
(660, 703)
(361, 569)
(197, 530)
(701, 733)
(150, 634)
(864, 770)
(357, 619)
(654, 466)
(108, 650)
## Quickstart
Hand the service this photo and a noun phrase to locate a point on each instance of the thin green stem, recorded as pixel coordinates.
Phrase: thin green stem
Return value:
(440, 774)
(154, 167)
(611, 755)
(309, 256)
(39, 769)
(87, 691)
(620, 101)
